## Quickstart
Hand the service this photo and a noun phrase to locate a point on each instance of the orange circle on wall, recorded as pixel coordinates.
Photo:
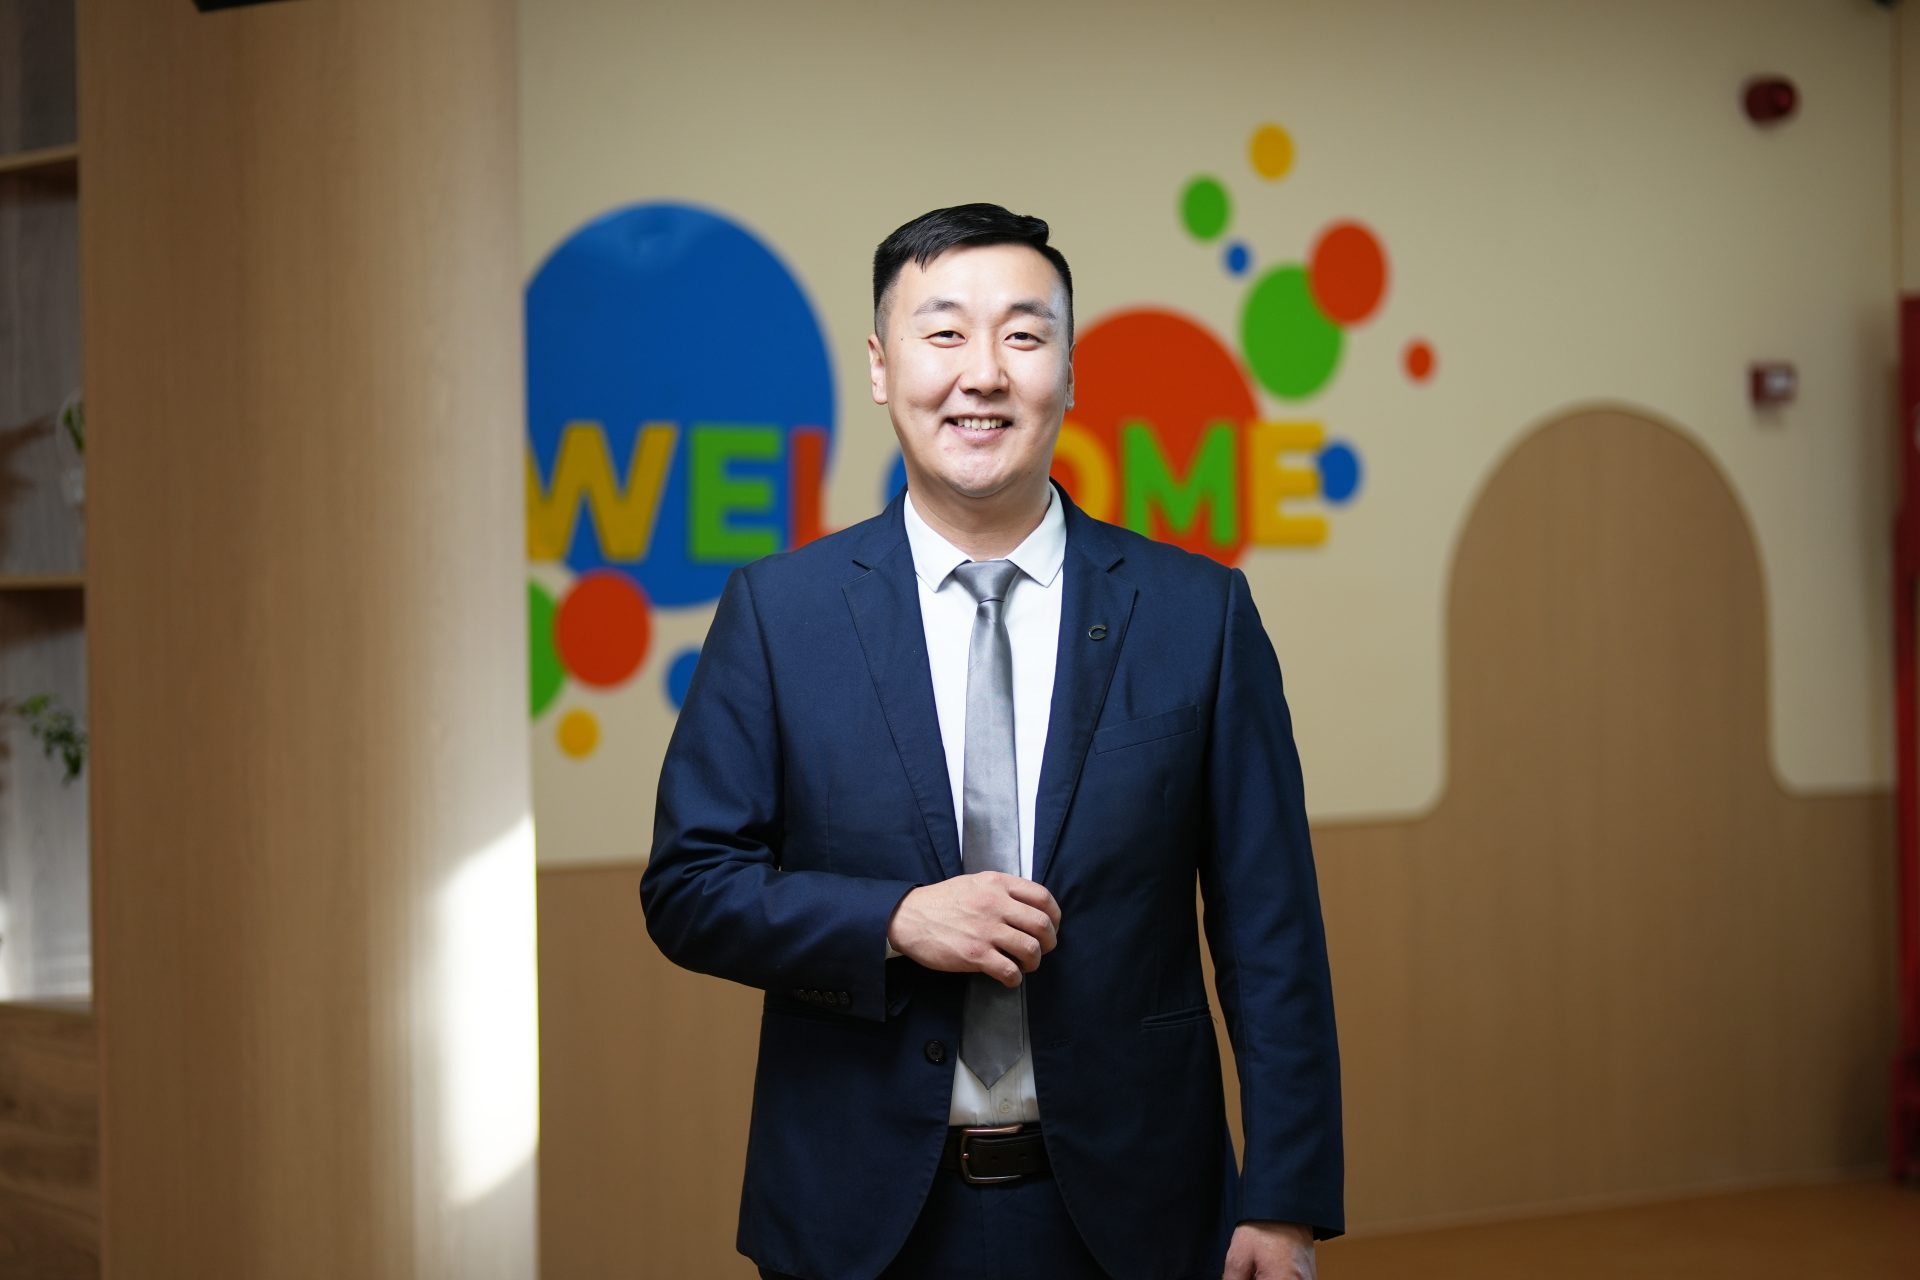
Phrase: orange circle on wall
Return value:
(1166, 373)
(1348, 272)
(603, 628)
(1419, 359)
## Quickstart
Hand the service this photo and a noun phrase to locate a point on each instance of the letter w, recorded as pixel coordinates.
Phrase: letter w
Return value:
(583, 469)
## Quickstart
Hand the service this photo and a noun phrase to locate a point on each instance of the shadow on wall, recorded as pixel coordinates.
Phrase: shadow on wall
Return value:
(1617, 960)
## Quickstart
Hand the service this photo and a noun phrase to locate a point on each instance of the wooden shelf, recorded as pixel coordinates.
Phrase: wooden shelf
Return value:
(49, 1007)
(48, 160)
(43, 596)
(43, 582)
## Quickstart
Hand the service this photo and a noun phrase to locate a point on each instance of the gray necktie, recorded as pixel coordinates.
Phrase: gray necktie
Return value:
(991, 1035)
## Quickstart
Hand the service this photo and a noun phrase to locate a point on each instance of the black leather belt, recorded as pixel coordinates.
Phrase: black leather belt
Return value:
(988, 1154)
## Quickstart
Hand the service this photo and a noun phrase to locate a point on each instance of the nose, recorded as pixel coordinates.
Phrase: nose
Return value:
(983, 372)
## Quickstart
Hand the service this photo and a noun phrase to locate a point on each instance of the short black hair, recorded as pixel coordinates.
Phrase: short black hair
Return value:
(932, 234)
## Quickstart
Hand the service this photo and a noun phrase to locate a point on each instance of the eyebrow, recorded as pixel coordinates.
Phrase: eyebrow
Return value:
(1024, 307)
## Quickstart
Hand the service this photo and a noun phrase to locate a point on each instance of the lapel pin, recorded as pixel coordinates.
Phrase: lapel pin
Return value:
(1098, 631)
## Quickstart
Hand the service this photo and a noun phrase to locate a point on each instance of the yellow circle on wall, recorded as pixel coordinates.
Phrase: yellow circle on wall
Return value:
(1271, 151)
(579, 733)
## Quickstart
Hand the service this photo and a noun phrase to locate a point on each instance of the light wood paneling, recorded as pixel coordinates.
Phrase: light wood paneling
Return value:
(49, 1143)
(1617, 960)
(306, 607)
(1854, 1230)
(646, 1075)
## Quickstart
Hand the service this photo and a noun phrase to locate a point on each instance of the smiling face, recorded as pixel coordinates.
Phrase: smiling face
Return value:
(974, 365)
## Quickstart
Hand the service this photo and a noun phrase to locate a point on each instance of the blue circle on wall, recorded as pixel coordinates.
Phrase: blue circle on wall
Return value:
(896, 479)
(677, 319)
(680, 676)
(1339, 472)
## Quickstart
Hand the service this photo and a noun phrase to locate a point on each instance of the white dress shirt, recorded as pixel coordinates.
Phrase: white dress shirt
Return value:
(1032, 614)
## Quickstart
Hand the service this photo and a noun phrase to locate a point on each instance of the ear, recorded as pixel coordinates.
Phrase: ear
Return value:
(877, 367)
(1070, 377)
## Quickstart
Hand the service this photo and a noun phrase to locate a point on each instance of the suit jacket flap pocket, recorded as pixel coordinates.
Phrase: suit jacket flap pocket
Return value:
(1133, 732)
(1177, 1017)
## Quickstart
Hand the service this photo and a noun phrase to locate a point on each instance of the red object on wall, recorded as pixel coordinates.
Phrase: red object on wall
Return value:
(1771, 383)
(1771, 99)
(1905, 1145)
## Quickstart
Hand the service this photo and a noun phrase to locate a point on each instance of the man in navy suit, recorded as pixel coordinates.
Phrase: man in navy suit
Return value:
(942, 787)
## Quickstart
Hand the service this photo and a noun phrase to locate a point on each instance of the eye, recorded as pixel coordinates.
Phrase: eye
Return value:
(1025, 338)
(945, 335)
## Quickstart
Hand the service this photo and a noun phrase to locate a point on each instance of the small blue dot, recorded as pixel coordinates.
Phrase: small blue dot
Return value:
(896, 479)
(1238, 258)
(1339, 472)
(680, 676)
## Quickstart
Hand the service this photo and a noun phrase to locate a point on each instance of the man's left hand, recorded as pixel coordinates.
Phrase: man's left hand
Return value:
(1270, 1251)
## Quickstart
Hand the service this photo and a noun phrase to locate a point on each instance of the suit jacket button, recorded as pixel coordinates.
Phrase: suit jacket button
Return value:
(936, 1051)
(845, 999)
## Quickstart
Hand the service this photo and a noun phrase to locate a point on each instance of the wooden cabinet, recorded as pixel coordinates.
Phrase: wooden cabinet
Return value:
(49, 1142)
(49, 1124)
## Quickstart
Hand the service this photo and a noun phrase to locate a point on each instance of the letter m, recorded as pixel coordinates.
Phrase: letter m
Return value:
(1148, 483)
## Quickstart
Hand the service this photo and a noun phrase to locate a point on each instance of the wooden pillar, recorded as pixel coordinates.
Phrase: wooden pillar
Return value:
(313, 893)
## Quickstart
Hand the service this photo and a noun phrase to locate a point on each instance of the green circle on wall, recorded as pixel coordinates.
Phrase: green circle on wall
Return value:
(545, 658)
(1204, 207)
(1289, 343)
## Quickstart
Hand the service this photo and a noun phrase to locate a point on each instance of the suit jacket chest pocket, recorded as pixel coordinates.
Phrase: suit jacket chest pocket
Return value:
(1154, 728)
(1142, 772)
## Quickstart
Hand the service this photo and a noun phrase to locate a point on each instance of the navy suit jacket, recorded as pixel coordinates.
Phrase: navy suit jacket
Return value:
(804, 794)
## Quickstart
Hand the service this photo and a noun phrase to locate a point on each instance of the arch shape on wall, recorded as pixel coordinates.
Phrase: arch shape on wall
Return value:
(1617, 959)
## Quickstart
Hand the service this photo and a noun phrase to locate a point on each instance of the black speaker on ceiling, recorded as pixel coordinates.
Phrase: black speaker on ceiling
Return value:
(208, 6)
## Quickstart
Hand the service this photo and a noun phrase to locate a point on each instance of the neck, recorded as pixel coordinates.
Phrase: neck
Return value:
(986, 529)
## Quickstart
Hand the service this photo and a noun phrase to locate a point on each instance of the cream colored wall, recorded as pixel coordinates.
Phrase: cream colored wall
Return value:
(1907, 146)
(1574, 207)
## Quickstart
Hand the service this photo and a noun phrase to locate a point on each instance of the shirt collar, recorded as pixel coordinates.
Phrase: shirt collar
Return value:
(1039, 556)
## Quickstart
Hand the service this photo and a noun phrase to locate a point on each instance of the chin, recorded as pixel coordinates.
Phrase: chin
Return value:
(977, 486)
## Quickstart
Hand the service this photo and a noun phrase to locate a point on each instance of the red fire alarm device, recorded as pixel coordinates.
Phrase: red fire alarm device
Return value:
(1770, 99)
(1772, 383)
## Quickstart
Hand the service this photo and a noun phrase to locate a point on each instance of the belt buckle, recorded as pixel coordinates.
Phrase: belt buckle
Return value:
(967, 1135)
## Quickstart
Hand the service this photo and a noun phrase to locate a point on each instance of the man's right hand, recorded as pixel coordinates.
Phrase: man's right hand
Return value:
(988, 922)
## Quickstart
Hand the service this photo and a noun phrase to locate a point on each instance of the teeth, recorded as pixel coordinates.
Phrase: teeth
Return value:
(980, 424)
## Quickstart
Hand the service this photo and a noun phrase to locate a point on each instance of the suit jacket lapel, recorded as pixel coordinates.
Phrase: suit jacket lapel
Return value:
(1097, 603)
(886, 613)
